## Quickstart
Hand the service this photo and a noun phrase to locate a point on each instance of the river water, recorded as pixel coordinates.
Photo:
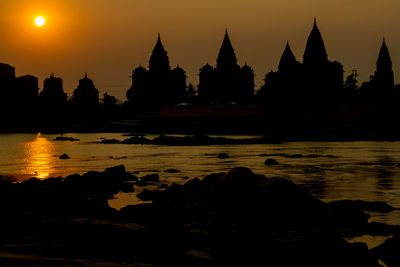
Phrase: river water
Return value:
(331, 170)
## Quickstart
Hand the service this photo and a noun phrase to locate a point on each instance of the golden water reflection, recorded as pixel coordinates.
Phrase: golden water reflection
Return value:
(38, 157)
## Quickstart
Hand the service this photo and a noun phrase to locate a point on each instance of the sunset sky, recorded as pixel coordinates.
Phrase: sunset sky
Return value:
(108, 39)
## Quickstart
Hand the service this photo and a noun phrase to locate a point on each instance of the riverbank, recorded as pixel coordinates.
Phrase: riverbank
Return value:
(231, 218)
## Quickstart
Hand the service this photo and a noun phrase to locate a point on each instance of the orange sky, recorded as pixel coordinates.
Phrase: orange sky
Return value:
(108, 39)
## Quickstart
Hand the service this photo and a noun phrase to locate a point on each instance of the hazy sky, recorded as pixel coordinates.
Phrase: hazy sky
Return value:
(108, 39)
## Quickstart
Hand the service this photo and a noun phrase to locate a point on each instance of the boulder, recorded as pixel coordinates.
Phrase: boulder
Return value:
(388, 252)
(143, 183)
(172, 171)
(197, 258)
(64, 156)
(145, 195)
(117, 171)
(271, 162)
(151, 178)
(223, 156)
(377, 206)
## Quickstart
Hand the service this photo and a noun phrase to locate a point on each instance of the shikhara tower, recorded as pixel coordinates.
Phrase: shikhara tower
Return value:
(384, 77)
(227, 82)
(315, 81)
(159, 85)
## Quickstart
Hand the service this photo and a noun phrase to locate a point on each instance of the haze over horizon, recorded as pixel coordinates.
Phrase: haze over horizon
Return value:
(109, 39)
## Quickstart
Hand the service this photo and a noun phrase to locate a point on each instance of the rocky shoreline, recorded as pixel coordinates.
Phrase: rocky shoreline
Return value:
(236, 218)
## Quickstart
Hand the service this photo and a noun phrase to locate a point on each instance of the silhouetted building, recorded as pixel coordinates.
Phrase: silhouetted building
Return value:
(317, 80)
(381, 84)
(27, 89)
(7, 81)
(17, 92)
(284, 84)
(227, 82)
(86, 93)
(323, 78)
(159, 85)
(384, 77)
(53, 92)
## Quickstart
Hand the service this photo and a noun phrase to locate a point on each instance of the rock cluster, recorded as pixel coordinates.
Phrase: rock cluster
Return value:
(236, 218)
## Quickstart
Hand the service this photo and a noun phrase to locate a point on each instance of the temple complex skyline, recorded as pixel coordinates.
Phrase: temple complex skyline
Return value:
(108, 40)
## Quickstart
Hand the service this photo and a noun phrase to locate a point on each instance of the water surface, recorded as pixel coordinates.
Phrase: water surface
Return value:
(331, 170)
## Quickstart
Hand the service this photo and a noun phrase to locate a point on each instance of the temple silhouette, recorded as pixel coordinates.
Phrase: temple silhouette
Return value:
(86, 94)
(53, 92)
(381, 86)
(312, 91)
(227, 82)
(316, 80)
(159, 85)
(17, 91)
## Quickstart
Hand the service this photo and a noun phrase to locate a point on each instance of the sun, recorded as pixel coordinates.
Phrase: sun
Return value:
(40, 21)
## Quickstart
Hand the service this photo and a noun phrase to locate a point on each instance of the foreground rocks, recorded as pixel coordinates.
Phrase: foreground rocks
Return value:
(236, 218)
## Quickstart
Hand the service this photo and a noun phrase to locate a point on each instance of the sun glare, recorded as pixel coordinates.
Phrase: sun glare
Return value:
(40, 21)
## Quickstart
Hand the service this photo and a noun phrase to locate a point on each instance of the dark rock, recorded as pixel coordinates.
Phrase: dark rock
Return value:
(151, 178)
(377, 206)
(197, 258)
(117, 171)
(163, 186)
(143, 183)
(64, 156)
(388, 252)
(349, 214)
(73, 179)
(127, 188)
(172, 171)
(223, 156)
(65, 138)
(146, 195)
(270, 162)
(377, 228)
(53, 181)
(32, 181)
(130, 177)
(110, 141)
(295, 156)
(236, 179)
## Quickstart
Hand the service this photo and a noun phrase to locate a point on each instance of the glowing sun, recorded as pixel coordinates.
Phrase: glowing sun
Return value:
(40, 21)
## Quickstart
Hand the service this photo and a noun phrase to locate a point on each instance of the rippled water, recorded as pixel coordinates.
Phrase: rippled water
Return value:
(332, 170)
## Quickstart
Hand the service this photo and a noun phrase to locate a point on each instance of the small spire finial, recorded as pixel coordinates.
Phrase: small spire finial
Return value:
(159, 36)
(226, 31)
(315, 21)
(85, 75)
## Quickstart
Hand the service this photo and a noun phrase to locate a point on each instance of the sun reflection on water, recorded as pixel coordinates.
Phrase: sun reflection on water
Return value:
(38, 157)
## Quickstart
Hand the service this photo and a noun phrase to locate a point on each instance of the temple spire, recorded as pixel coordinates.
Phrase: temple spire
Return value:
(288, 59)
(159, 60)
(384, 61)
(384, 77)
(226, 57)
(315, 51)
